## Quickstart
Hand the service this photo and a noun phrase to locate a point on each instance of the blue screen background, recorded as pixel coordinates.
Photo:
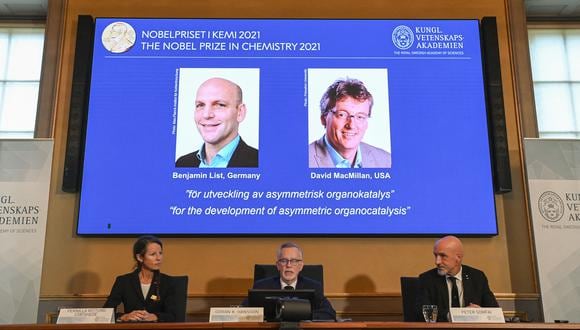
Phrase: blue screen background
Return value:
(441, 172)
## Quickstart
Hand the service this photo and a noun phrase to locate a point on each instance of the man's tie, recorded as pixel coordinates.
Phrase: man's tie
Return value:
(288, 287)
(454, 292)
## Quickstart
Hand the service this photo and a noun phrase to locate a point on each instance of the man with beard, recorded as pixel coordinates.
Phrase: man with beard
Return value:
(452, 284)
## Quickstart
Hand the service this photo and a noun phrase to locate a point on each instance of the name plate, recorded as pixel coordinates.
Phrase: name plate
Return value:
(85, 315)
(236, 314)
(477, 315)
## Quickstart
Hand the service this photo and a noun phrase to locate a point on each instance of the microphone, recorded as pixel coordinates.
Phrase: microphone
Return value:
(288, 287)
(156, 280)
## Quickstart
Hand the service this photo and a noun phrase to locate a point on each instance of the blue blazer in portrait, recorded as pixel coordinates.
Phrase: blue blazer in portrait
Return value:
(372, 157)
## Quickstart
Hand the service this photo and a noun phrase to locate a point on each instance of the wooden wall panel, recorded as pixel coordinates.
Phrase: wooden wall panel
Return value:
(81, 265)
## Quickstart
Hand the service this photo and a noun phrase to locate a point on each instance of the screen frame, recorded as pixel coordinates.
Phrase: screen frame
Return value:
(365, 235)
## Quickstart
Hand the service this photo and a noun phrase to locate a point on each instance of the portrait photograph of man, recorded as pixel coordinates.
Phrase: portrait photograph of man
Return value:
(217, 118)
(348, 114)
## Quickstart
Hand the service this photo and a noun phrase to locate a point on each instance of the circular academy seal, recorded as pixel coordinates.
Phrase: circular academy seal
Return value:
(118, 37)
(403, 37)
(551, 206)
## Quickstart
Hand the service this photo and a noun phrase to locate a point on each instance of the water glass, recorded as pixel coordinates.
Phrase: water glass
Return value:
(430, 313)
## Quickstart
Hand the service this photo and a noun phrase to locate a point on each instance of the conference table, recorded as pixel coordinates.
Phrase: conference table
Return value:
(302, 325)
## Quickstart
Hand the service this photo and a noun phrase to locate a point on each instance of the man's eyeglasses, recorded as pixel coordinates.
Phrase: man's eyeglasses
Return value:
(291, 262)
(342, 116)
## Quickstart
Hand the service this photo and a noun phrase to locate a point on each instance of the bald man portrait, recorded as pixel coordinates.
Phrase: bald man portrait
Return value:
(452, 284)
(219, 111)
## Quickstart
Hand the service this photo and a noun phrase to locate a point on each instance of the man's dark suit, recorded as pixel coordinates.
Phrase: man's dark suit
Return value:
(243, 156)
(160, 298)
(433, 291)
(322, 309)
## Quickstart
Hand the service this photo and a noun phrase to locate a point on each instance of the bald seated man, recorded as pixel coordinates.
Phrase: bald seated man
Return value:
(436, 285)
(219, 110)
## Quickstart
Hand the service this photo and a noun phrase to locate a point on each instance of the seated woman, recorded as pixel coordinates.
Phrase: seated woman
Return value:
(146, 294)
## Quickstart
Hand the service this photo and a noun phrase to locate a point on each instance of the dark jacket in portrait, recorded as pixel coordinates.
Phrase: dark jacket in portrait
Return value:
(433, 291)
(160, 298)
(321, 309)
(243, 156)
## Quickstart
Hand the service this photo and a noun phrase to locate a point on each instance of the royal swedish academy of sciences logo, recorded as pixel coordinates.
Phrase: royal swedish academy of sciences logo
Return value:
(551, 206)
(403, 37)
